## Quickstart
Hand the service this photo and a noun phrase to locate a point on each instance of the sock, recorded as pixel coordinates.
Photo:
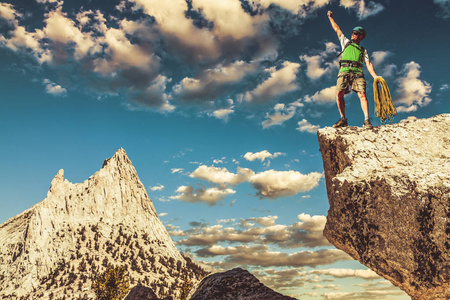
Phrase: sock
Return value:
(366, 118)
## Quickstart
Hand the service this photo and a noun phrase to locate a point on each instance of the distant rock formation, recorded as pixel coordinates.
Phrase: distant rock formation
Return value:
(52, 250)
(235, 284)
(143, 293)
(389, 194)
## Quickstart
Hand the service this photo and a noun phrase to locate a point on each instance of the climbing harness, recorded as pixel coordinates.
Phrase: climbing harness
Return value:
(352, 59)
(384, 107)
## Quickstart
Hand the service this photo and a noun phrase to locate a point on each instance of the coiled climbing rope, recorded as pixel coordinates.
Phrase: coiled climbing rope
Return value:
(384, 107)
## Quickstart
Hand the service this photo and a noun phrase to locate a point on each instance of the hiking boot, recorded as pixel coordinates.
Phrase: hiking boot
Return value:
(341, 123)
(367, 124)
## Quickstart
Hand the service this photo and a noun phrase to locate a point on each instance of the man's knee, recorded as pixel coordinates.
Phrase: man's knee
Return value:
(340, 94)
(362, 96)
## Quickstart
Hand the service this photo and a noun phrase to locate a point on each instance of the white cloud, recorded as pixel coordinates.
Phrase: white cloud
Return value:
(223, 113)
(53, 88)
(281, 115)
(179, 32)
(305, 126)
(154, 94)
(261, 256)
(378, 60)
(413, 92)
(363, 9)
(19, 38)
(163, 214)
(299, 7)
(445, 7)
(325, 96)
(158, 187)
(280, 82)
(265, 221)
(308, 232)
(314, 63)
(213, 82)
(209, 196)
(177, 170)
(350, 273)
(379, 57)
(8, 12)
(274, 184)
(262, 155)
(230, 20)
(221, 175)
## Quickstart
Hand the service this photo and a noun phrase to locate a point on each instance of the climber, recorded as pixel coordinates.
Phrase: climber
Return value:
(350, 72)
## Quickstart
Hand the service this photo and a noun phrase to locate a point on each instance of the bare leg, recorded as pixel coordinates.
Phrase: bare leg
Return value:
(341, 103)
(364, 104)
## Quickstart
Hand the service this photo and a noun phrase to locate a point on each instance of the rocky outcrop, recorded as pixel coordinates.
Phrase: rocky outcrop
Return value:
(235, 284)
(389, 195)
(54, 248)
(143, 293)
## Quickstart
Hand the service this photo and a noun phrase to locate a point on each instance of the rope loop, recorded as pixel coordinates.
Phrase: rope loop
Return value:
(384, 107)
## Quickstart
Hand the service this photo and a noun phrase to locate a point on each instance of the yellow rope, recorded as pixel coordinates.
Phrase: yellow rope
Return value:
(384, 107)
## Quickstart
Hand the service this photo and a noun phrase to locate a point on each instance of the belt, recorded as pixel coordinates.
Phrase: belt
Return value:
(350, 63)
(353, 75)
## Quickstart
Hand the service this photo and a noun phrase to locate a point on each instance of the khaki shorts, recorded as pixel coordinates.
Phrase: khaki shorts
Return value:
(346, 80)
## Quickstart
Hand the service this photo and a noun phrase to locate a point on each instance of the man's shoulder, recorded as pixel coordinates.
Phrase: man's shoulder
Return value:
(343, 40)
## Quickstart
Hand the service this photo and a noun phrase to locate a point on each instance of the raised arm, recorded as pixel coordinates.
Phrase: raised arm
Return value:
(334, 25)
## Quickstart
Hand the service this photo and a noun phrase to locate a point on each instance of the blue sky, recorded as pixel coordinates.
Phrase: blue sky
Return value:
(217, 105)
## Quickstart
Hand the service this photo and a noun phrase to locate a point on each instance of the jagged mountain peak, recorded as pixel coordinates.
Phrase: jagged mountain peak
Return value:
(120, 158)
(57, 246)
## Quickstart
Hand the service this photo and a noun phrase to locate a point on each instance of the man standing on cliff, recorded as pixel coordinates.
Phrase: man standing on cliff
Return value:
(350, 72)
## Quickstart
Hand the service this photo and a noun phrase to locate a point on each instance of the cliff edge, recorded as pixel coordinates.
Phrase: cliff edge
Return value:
(389, 195)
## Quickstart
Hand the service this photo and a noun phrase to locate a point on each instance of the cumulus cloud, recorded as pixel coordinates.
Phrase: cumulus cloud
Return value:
(363, 9)
(265, 221)
(221, 175)
(378, 60)
(53, 88)
(445, 8)
(213, 82)
(8, 12)
(346, 273)
(325, 96)
(19, 38)
(223, 113)
(278, 279)
(413, 92)
(370, 294)
(305, 233)
(158, 187)
(280, 81)
(301, 7)
(261, 256)
(209, 196)
(177, 170)
(262, 155)
(314, 63)
(215, 46)
(274, 184)
(281, 115)
(305, 126)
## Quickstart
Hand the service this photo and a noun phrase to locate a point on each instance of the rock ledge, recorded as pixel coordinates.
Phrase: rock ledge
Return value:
(389, 194)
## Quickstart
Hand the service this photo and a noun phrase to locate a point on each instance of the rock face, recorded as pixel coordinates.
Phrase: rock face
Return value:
(143, 293)
(236, 284)
(52, 250)
(389, 194)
